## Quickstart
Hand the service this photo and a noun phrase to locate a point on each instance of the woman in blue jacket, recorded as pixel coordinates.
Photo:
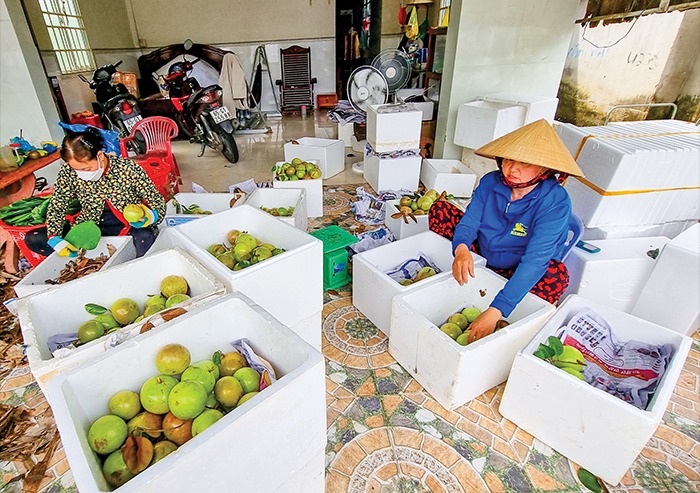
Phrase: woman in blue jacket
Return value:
(517, 220)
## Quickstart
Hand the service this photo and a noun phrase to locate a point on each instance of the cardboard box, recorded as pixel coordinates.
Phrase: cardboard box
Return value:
(480, 122)
(373, 290)
(592, 428)
(61, 309)
(448, 175)
(443, 367)
(397, 130)
(330, 153)
(314, 193)
(283, 197)
(212, 202)
(398, 227)
(284, 425)
(54, 264)
(386, 173)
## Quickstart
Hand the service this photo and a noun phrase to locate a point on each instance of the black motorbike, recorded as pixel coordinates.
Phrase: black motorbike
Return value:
(200, 113)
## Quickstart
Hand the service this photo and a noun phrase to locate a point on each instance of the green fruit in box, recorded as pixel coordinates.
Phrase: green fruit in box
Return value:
(176, 299)
(296, 160)
(576, 373)
(291, 171)
(282, 211)
(231, 362)
(155, 300)
(162, 449)
(301, 173)
(451, 329)
(227, 259)
(570, 354)
(405, 201)
(173, 359)
(294, 178)
(268, 246)
(211, 403)
(125, 404)
(315, 173)
(107, 434)
(424, 273)
(463, 338)
(414, 205)
(107, 320)
(205, 420)
(187, 399)
(125, 311)
(459, 319)
(431, 194)
(242, 264)
(199, 374)
(247, 239)
(154, 393)
(262, 253)
(246, 398)
(232, 236)
(249, 378)
(425, 203)
(471, 313)
(148, 423)
(177, 430)
(210, 366)
(153, 309)
(115, 471)
(216, 249)
(277, 251)
(242, 251)
(406, 282)
(228, 391)
(174, 285)
(90, 330)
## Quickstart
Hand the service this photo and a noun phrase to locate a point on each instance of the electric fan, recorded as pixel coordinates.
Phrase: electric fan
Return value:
(395, 66)
(367, 86)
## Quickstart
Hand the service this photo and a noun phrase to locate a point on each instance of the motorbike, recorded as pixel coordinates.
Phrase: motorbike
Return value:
(200, 113)
(119, 108)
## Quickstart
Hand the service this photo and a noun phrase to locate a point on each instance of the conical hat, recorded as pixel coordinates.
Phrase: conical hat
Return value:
(536, 143)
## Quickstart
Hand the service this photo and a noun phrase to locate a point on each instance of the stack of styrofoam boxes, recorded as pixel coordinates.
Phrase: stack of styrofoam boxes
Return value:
(393, 129)
(212, 202)
(401, 228)
(330, 153)
(671, 295)
(446, 369)
(61, 309)
(52, 266)
(282, 197)
(617, 273)
(373, 289)
(594, 429)
(636, 174)
(289, 285)
(448, 175)
(314, 191)
(346, 131)
(284, 425)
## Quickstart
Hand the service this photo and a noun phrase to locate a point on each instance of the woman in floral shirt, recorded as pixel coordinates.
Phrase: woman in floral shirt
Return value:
(104, 185)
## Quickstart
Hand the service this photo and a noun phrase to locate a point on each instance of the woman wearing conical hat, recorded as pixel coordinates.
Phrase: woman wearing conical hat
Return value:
(517, 220)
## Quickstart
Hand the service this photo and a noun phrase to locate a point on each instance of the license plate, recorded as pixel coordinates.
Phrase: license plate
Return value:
(221, 114)
(129, 124)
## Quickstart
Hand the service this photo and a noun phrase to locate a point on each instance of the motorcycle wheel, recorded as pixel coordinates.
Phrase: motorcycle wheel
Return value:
(227, 145)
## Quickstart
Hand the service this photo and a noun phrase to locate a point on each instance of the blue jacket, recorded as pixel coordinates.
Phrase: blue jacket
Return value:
(523, 235)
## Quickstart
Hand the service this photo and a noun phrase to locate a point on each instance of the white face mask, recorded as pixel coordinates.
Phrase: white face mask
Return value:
(93, 175)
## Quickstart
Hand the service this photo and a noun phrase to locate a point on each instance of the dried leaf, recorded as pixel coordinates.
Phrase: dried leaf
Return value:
(137, 452)
(172, 313)
(37, 473)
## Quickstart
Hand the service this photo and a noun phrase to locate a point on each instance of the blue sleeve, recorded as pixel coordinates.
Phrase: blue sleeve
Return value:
(468, 226)
(543, 246)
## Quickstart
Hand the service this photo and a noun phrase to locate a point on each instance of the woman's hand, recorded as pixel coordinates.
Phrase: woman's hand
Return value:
(484, 324)
(463, 264)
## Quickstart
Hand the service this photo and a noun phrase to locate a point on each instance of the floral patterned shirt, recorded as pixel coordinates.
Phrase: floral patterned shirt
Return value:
(124, 183)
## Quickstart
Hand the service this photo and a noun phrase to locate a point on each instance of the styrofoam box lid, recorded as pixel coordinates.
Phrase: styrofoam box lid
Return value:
(52, 265)
(77, 401)
(389, 256)
(493, 106)
(381, 109)
(448, 166)
(212, 202)
(61, 310)
(516, 98)
(436, 302)
(622, 248)
(276, 197)
(688, 239)
(314, 141)
(625, 327)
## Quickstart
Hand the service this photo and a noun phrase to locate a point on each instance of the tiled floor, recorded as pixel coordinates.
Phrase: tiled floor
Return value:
(385, 433)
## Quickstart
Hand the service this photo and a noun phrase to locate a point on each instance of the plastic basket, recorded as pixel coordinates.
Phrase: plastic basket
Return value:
(161, 175)
(18, 234)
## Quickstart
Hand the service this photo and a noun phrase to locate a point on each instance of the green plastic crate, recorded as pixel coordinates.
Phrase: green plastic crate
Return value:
(335, 255)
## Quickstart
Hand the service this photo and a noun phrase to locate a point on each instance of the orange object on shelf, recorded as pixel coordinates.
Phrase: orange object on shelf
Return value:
(326, 101)
(86, 118)
(129, 80)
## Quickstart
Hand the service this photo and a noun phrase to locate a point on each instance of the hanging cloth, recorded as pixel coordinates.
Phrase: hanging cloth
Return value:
(366, 21)
(351, 50)
(233, 83)
(403, 15)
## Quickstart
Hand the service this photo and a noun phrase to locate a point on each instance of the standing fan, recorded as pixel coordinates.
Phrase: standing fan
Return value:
(395, 66)
(367, 86)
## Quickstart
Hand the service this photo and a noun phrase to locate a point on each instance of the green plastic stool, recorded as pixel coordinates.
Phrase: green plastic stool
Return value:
(335, 255)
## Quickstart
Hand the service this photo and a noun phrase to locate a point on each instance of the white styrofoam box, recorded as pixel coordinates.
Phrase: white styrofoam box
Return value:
(52, 265)
(314, 193)
(386, 173)
(479, 165)
(283, 197)
(598, 431)
(330, 153)
(397, 130)
(284, 425)
(616, 274)
(61, 309)
(398, 227)
(212, 202)
(671, 230)
(346, 132)
(425, 106)
(288, 285)
(373, 290)
(536, 107)
(310, 329)
(448, 175)
(480, 122)
(671, 295)
(444, 368)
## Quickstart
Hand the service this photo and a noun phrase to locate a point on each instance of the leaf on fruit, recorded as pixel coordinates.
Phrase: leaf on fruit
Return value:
(94, 309)
(216, 358)
(554, 343)
(540, 354)
(548, 351)
(137, 452)
(589, 480)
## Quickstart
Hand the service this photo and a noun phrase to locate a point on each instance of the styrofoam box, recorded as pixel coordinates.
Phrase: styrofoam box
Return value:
(314, 193)
(426, 107)
(310, 329)
(480, 122)
(448, 175)
(373, 290)
(616, 274)
(288, 285)
(330, 153)
(454, 374)
(392, 173)
(212, 202)
(398, 227)
(598, 431)
(671, 295)
(671, 230)
(536, 107)
(52, 265)
(346, 132)
(283, 197)
(393, 131)
(284, 425)
(61, 309)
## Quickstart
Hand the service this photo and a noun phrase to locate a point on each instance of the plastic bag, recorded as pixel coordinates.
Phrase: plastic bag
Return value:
(110, 136)
(412, 26)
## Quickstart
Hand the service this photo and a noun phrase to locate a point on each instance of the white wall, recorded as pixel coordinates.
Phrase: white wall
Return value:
(502, 45)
